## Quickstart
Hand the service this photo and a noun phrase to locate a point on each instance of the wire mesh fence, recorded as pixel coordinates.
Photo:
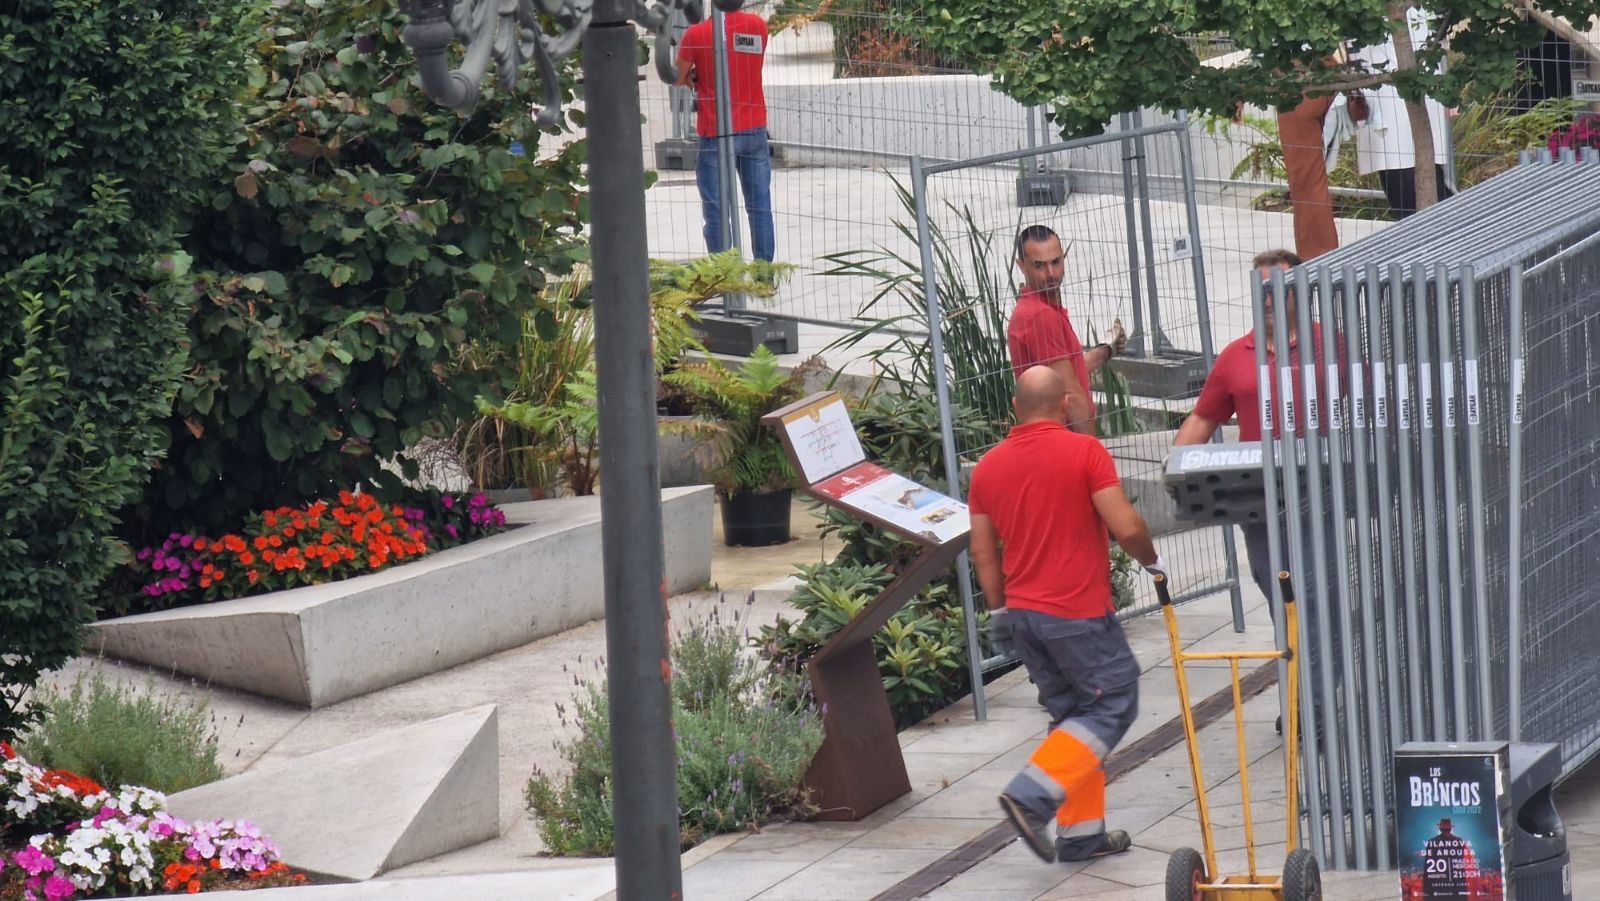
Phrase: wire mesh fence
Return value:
(1448, 498)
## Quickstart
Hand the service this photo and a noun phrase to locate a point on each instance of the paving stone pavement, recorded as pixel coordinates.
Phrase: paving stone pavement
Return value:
(957, 766)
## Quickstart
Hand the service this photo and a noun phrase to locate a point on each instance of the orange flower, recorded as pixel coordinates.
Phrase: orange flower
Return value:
(199, 544)
(275, 541)
(233, 543)
(193, 887)
(270, 518)
(346, 498)
(247, 558)
(375, 516)
(327, 538)
(205, 581)
(260, 542)
(289, 532)
(252, 576)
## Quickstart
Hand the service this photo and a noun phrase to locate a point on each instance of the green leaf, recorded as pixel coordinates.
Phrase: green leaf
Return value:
(482, 272)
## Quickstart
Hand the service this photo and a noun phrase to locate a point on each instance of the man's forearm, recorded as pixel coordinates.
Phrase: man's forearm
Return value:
(1097, 356)
(1139, 546)
(991, 580)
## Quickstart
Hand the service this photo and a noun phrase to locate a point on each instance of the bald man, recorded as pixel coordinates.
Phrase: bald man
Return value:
(1048, 496)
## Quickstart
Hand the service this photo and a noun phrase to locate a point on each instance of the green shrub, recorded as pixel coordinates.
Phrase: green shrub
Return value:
(114, 116)
(743, 746)
(360, 237)
(118, 736)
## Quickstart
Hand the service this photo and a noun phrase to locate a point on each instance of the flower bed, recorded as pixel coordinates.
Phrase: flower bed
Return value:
(62, 836)
(294, 546)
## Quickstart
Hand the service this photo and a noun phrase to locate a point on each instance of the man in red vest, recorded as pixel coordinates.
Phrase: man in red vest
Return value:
(746, 36)
(1042, 502)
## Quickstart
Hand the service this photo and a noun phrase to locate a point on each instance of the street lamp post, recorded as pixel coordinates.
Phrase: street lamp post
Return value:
(509, 33)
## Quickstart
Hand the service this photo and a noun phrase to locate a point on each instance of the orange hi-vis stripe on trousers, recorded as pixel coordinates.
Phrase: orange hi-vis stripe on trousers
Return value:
(1075, 770)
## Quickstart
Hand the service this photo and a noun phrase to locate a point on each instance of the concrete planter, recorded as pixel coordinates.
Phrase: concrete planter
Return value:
(324, 643)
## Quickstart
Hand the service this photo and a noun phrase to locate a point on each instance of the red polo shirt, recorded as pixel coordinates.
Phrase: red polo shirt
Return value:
(1036, 487)
(1040, 332)
(1233, 387)
(746, 34)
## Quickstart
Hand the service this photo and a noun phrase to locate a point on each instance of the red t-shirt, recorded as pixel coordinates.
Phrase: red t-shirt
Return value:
(1040, 332)
(1036, 487)
(747, 47)
(1234, 388)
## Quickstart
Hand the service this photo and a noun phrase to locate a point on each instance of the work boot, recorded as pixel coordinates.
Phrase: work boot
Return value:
(1034, 829)
(1114, 842)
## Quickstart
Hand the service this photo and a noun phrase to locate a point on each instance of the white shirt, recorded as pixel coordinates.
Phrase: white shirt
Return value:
(1384, 142)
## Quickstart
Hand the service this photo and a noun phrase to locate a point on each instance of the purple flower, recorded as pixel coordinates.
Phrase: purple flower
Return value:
(448, 501)
(186, 541)
(454, 532)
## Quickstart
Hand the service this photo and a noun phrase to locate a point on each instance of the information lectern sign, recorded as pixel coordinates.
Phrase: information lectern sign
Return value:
(859, 768)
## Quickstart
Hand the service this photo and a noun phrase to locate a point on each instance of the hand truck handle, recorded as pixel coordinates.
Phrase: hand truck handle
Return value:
(1287, 586)
(1162, 595)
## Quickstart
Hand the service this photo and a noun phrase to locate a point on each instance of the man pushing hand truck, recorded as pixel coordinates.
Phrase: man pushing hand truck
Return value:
(1192, 876)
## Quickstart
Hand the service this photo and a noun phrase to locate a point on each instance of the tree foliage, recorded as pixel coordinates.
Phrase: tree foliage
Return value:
(1087, 60)
(359, 238)
(114, 114)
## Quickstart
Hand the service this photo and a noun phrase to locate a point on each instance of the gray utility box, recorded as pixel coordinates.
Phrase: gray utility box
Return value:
(1042, 188)
(1541, 866)
(739, 334)
(1170, 374)
(677, 154)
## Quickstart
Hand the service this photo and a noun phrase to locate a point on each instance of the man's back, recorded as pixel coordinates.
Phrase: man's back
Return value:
(1037, 487)
(747, 46)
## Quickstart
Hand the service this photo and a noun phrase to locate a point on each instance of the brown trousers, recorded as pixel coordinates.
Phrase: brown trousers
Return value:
(1300, 133)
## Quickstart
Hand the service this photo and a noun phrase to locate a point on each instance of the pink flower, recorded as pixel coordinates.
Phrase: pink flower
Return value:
(33, 861)
(448, 501)
(57, 888)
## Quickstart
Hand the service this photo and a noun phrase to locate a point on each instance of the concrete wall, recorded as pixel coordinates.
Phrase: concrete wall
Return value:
(325, 643)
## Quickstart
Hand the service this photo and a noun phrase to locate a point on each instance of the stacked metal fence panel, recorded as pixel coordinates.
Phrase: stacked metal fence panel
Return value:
(1445, 487)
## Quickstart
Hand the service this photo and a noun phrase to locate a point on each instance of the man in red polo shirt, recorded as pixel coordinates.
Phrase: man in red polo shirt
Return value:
(1040, 332)
(746, 35)
(1048, 496)
(1232, 389)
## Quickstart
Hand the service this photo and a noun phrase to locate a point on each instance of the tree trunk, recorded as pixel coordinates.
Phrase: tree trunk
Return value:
(1405, 59)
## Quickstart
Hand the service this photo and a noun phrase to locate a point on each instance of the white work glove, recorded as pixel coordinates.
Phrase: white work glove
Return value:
(1158, 568)
(1000, 631)
(1117, 338)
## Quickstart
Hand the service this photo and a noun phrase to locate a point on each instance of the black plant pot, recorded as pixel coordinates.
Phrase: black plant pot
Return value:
(755, 519)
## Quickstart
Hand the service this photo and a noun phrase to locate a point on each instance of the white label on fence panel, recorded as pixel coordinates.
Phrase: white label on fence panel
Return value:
(1308, 378)
(1291, 418)
(1380, 396)
(1516, 391)
(1335, 411)
(1402, 388)
(1264, 389)
(1358, 392)
(1425, 389)
(1447, 384)
(1472, 392)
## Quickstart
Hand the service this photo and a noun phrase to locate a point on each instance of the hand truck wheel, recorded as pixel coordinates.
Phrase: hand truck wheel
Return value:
(1302, 881)
(1186, 872)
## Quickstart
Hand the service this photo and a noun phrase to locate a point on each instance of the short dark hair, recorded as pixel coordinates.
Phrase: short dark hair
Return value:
(1033, 234)
(1277, 257)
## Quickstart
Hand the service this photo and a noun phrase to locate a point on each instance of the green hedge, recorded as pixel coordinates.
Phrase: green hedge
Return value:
(113, 116)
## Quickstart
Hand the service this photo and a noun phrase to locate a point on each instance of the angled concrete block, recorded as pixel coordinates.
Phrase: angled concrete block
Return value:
(324, 643)
(364, 808)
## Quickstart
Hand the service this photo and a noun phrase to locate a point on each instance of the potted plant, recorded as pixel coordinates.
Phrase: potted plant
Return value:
(751, 472)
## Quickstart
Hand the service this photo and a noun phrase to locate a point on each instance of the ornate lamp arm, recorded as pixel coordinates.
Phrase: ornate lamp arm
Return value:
(512, 32)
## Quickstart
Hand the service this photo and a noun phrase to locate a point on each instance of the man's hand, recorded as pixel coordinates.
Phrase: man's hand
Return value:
(1000, 631)
(1117, 337)
(1158, 568)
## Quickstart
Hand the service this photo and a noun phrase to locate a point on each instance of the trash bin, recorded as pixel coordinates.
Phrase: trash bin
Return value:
(1541, 867)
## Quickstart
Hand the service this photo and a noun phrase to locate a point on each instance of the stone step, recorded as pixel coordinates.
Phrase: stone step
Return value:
(360, 809)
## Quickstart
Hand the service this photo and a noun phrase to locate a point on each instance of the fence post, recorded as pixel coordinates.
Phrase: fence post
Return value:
(1202, 315)
(947, 436)
(1450, 477)
(1158, 338)
(728, 200)
(1514, 510)
(1475, 508)
(1136, 340)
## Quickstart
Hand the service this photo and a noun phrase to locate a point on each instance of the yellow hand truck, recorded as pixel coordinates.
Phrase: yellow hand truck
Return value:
(1192, 876)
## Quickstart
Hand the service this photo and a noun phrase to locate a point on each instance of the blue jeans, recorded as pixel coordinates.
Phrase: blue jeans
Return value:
(753, 162)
